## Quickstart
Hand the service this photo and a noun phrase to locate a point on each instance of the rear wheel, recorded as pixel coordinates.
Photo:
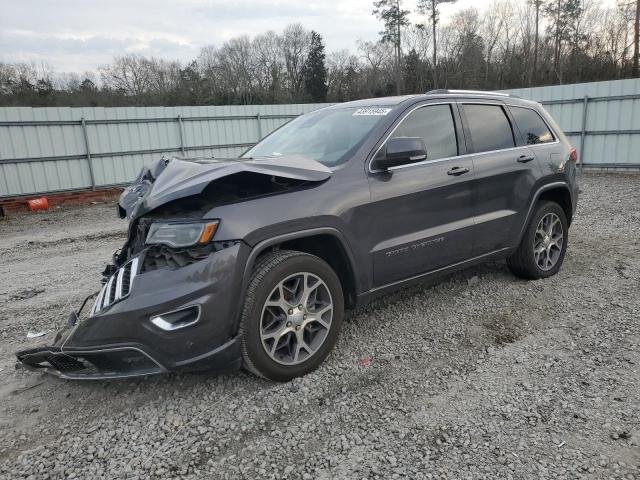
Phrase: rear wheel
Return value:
(543, 245)
(292, 315)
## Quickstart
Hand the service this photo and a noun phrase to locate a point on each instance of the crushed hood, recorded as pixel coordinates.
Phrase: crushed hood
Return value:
(185, 178)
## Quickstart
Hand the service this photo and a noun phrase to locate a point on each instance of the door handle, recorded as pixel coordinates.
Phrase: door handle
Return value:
(525, 158)
(456, 171)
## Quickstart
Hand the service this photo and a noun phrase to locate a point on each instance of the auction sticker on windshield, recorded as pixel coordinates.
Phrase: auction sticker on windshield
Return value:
(371, 111)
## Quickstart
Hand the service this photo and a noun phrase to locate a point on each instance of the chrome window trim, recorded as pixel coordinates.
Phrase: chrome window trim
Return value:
(461, 102)
(457, 156)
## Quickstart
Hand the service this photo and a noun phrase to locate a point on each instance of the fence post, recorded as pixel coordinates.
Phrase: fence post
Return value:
(181, 134)
(88, 148)
(583, 131)
(259, 126)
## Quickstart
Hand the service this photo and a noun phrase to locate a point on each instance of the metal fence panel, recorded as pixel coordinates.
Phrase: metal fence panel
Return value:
(611, 129)
(52, 149)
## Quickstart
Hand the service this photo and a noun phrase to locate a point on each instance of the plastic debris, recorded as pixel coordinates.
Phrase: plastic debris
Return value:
(36, 334)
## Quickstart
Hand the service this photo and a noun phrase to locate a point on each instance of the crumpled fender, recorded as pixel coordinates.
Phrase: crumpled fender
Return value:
(140, 186)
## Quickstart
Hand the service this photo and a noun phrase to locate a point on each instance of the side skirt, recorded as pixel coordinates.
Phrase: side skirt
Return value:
(382, 290)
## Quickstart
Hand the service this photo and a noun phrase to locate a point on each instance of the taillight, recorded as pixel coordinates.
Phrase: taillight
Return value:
(573, 155)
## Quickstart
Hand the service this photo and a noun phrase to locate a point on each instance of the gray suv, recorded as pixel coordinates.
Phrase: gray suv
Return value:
(253, 261)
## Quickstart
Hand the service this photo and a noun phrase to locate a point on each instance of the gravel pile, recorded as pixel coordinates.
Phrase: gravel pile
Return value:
(480, 376)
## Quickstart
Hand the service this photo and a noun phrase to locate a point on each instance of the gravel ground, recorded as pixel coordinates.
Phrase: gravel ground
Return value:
(480, 376)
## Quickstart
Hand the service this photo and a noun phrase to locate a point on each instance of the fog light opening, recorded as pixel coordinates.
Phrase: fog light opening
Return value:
(177, 319)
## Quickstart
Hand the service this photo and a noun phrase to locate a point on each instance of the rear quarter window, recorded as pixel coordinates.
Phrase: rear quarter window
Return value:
(489, 127)
(534, 130)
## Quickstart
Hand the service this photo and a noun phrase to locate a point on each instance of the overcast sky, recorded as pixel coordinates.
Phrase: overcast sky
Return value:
(80, 35)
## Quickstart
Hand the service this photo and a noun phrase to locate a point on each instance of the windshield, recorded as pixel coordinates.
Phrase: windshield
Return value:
(326, 135)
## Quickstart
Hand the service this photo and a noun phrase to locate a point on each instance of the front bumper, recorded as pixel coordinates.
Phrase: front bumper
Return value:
(122, 341)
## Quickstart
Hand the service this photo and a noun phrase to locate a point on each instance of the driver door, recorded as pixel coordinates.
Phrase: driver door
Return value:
(424, 216)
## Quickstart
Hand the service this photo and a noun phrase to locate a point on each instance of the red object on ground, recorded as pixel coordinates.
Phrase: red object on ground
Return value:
(365, 361)
(15, 205)
(38, 204)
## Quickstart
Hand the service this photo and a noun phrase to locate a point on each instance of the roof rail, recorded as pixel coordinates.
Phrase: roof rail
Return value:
(444, 91)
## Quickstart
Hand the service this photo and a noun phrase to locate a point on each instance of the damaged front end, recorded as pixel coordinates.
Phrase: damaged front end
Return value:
(77, 364)
(169, 299)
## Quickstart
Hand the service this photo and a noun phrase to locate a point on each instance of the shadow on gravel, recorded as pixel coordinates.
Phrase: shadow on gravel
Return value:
(463, 278)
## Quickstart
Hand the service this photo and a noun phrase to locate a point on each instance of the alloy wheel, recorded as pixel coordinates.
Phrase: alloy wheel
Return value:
(548, 241)
(296, 318)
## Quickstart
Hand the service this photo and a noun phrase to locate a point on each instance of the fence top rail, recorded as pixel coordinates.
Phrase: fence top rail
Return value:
(610, 98)
(106, 121)
(258, 116)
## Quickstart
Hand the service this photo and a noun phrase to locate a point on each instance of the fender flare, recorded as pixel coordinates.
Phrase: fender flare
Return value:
(536, 196)
(266, 243)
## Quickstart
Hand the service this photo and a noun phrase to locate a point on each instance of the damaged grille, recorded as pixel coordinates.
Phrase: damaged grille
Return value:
(120, 362)
(158, 257)
(117, 287)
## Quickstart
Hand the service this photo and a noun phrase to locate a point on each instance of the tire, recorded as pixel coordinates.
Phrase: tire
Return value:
(526, 262)
(278, 278)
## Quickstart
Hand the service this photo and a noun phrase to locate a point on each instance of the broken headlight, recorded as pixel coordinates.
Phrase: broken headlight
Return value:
(181, 234)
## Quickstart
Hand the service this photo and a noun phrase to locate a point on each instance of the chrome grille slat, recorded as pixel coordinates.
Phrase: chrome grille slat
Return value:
(134, 271)
(117, 287)
(107, 293)
(119, 284)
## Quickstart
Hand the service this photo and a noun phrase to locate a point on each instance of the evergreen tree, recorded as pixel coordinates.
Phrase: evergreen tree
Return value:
(432, 7)
(315, 71)
(394, 18)
(412, 72)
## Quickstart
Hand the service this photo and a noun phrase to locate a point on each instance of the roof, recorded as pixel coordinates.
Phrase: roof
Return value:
(397, 100)
(378, 101)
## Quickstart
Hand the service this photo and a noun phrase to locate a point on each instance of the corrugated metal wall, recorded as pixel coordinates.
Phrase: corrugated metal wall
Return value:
(609, 134)
(45, 149)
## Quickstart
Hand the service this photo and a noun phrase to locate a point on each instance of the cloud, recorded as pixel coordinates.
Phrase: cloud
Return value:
(73, 35)
(82, 54)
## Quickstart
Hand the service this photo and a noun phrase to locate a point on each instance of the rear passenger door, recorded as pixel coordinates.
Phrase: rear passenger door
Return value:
(505, 173)
(423, 211)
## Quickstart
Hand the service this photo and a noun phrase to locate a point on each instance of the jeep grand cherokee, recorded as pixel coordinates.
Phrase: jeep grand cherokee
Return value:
(252, 261)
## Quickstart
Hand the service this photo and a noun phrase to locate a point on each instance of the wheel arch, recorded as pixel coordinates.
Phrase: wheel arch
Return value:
(561, 196)
(326, 243)
(557, 192)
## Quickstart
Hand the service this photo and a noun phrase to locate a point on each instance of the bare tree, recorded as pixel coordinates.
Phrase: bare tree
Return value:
(491, 28)
(376, 57)
(537, 4)
(270, 64)
(128, 74)
(294, 45)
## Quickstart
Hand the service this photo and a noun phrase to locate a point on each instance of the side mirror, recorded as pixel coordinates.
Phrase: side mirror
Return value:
(400, 151)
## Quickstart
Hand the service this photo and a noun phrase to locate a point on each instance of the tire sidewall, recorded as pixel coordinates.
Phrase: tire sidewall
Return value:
(544, 209)
(254, 349)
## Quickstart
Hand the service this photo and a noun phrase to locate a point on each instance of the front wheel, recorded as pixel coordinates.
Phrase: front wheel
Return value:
(292, 315)
(543, 245)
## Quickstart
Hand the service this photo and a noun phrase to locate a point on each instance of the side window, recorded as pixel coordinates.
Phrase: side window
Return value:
(531, 126)
(489, 126)
(435, 125)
